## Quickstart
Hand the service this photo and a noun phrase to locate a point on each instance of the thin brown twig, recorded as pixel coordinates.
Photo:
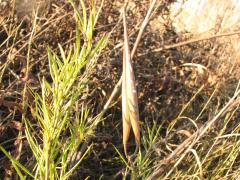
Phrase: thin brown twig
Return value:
(136, 28)
(165, 47)
(142, 28)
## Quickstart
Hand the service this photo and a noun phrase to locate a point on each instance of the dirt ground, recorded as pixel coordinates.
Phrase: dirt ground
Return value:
(164, 82)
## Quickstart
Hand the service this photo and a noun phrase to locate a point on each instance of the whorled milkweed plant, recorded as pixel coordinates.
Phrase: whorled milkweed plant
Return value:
(60, 126)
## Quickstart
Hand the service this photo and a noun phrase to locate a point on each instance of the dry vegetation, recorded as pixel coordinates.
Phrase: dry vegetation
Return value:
(188, 94)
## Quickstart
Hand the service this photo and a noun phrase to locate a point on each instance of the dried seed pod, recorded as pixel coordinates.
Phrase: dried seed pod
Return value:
(129, 95)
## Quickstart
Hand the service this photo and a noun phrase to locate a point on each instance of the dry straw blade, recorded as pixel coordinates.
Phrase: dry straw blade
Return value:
(130, 110)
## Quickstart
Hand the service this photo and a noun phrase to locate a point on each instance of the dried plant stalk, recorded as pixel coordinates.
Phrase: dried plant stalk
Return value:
(130, 110)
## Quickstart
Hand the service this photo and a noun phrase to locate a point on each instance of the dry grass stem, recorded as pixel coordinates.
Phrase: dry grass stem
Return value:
(188, 144)
(164, 47)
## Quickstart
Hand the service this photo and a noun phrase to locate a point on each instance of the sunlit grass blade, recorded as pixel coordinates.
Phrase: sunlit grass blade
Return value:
(16, 164)
(69, 173)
